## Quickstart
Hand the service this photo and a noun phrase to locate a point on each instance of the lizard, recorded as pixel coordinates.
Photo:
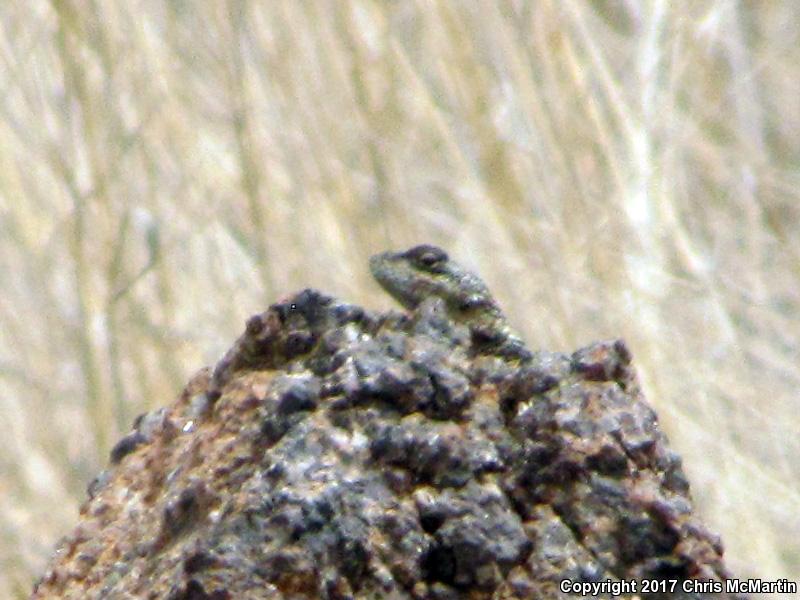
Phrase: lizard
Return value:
(423, 272)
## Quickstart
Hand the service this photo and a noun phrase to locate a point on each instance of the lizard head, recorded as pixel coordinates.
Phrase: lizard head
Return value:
(425, 271)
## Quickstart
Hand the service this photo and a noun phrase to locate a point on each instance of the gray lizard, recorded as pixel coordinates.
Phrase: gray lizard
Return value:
(424, 272)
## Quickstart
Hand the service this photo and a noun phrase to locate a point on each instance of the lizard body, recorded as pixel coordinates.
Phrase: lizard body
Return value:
(423, 272)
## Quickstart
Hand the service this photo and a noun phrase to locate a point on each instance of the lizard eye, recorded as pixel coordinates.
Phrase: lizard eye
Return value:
(428, 256)
(472, 302)
(429, 259)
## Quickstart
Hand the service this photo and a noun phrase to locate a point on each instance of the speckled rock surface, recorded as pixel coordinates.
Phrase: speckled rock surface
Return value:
(335, 453)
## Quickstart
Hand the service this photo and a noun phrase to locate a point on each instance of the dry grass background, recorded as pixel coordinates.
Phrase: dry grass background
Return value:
(612, 168)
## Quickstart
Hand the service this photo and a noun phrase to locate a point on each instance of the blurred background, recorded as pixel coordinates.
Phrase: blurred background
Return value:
(611, 168)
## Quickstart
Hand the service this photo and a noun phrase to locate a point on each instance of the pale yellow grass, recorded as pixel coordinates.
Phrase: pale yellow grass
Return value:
(613, 168)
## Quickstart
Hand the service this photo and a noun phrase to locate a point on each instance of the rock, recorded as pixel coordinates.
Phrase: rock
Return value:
(334, 453)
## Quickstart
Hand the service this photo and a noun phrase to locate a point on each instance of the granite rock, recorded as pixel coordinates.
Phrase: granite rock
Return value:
(337, 453)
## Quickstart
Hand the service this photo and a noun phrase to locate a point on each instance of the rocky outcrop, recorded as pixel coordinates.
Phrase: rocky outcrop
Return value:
(336, 453)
